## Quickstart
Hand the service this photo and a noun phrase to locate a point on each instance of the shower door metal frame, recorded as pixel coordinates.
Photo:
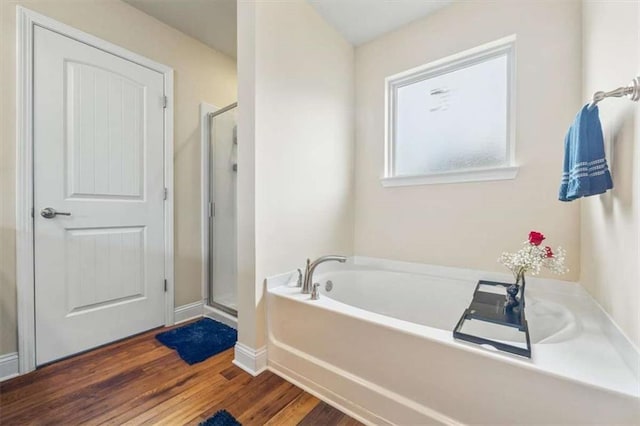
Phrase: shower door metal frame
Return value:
(207, 113)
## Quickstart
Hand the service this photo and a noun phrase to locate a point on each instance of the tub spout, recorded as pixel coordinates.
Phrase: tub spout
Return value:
(311, 266)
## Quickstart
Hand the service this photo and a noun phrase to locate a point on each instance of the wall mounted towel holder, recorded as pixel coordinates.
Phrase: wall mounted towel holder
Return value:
(632, 91)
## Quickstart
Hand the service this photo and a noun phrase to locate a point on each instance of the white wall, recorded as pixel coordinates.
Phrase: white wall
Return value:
(469, 224)
(296, 90)
(250, 317)
(610, 223)
(297, 85)
(201, 74)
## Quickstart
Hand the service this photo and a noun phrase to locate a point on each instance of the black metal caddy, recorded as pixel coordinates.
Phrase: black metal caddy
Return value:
(490, 307)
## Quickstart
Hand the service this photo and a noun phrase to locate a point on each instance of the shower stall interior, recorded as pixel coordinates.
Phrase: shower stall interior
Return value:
(223, 167)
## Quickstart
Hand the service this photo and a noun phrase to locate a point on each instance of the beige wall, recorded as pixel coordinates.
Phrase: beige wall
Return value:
(469, 224)
(610, 223)
(201, 74)
(248, 289)
(302, 72)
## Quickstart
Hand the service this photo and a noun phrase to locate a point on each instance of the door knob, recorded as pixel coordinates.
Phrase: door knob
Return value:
(50, 213)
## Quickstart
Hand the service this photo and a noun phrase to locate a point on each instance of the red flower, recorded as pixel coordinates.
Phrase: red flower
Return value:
(548, 251)
(535, 238)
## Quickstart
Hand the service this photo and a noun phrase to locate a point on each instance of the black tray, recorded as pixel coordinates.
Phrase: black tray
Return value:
(489, 307)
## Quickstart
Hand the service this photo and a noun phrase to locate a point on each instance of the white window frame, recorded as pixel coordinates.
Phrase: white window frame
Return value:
(433, 69)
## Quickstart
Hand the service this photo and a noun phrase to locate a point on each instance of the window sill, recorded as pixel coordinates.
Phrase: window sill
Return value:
(477, 175)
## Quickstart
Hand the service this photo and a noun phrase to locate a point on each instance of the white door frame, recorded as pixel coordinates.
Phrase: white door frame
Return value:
(25, 281)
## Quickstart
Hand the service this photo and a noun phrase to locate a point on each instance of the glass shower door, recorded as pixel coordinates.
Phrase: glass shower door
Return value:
(222, 217)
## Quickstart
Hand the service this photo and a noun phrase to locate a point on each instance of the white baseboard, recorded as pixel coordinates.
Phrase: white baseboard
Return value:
(9, 366)
(188, 312)
(223, 317)
(253, 361)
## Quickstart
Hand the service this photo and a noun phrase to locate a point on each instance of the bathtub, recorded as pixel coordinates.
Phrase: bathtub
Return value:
(378, 345)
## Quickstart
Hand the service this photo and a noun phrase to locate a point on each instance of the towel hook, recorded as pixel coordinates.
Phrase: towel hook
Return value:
(632, 90)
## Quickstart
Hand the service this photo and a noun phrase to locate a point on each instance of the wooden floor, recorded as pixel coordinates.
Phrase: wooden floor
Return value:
(139, 380)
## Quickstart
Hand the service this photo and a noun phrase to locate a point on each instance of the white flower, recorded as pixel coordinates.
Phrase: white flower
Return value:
(530, 258)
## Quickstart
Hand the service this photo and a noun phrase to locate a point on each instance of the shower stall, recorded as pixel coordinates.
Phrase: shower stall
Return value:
(222, 171)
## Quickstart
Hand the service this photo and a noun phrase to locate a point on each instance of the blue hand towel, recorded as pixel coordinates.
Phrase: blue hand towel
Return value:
(585, 166)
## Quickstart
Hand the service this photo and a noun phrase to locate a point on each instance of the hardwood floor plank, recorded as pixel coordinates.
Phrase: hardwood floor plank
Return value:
(243, 398)
(62, 390)
(202, 400)
(180, 405)
(348, 421)
(269, 405)
(323, 414)
(295, 411)
(89, 362)
(140, 381)
(231, 372)
(211, 379)
(175, 381)
(161, 387)
(64, 381)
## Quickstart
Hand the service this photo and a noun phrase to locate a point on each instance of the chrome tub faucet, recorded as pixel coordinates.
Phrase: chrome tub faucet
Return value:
(311, 266)
(299, 281)
(315, 292)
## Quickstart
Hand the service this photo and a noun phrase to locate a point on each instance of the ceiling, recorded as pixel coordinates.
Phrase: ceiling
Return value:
(360, 21)
(213, 22)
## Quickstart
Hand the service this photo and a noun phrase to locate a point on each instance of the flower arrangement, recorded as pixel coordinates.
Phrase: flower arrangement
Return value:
(533, 256)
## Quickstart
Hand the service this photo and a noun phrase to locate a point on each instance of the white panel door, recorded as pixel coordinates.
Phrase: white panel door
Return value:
(98, 155)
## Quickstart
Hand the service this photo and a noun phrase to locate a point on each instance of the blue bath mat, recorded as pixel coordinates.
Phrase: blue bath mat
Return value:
(198, 341)
(221, 418)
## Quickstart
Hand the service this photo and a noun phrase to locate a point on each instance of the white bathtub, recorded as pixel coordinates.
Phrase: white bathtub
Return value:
(379, 346)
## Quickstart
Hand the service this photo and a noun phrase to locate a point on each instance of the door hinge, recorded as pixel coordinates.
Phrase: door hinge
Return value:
(212, 209)
(33, 213)
(165, 286)
(165, 193)
(165, 101)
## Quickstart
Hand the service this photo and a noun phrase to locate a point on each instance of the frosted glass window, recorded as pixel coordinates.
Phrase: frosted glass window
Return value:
(455, 117)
